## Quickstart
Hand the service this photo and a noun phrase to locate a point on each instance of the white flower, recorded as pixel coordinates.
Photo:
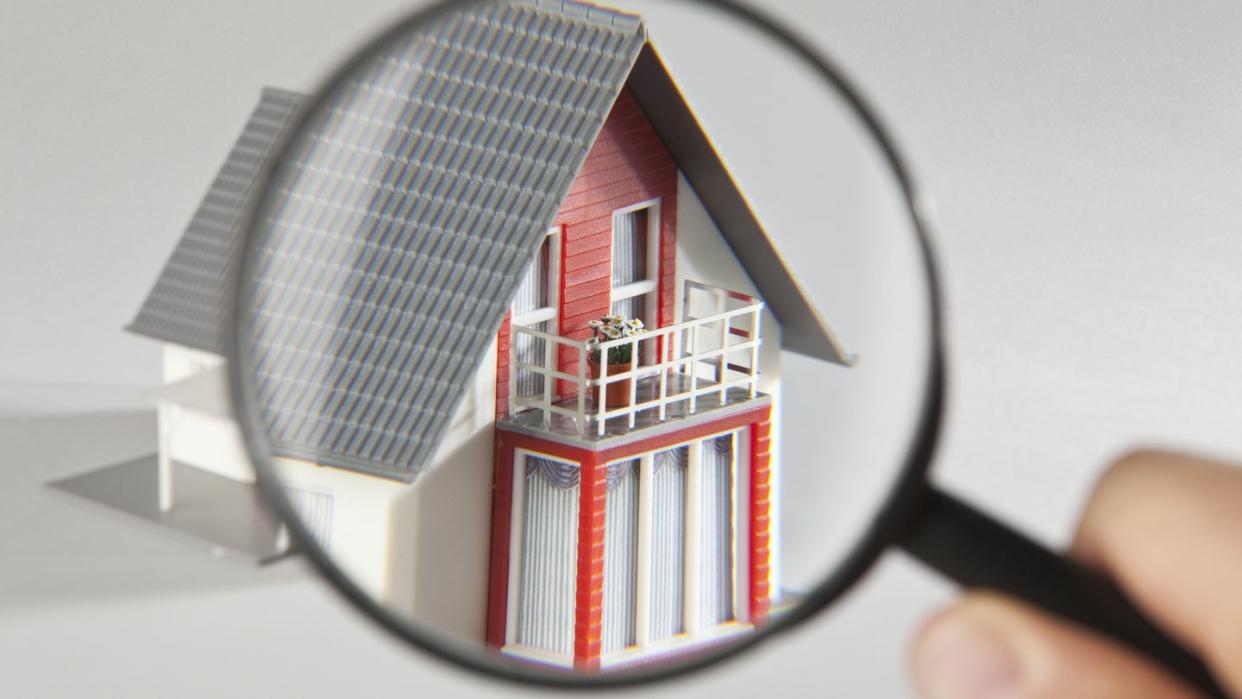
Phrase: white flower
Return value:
(611, 333)
(595, 324)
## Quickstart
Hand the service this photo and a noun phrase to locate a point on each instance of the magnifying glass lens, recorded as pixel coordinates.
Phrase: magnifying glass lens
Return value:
(580, 341)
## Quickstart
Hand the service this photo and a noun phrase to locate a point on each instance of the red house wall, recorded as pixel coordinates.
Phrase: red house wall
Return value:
(760, 517)
(628, 164)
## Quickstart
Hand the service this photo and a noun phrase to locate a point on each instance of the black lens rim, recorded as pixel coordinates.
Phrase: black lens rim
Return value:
(908, 489)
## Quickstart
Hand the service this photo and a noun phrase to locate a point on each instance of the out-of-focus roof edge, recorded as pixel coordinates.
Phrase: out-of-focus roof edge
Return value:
(141, 324)
(136, 328)
(272, 92)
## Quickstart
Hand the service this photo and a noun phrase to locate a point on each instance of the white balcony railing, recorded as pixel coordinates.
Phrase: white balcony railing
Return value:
(705, 355)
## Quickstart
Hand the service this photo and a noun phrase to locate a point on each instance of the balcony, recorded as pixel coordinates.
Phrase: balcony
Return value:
(707, 363)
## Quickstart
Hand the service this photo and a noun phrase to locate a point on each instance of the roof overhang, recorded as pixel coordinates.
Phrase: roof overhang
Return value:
(803, 329)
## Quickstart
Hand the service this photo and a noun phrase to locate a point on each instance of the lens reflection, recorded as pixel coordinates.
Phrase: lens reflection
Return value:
(520, 326)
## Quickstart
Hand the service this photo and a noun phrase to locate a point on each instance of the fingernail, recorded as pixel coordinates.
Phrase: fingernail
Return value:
(958, 660)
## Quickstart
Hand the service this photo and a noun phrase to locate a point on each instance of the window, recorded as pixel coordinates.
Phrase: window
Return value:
(635, 262)
(313, 507)
(716, 532)
(668, 542)
(534, 306)
(620, 626)
(651, 546)
(545, 547)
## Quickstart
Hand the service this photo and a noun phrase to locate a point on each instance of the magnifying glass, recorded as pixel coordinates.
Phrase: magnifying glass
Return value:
(589, 346)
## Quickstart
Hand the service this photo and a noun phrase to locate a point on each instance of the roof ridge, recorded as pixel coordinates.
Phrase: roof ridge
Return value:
(590, 12)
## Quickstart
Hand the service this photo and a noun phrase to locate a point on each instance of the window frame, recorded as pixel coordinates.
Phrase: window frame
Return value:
(517, 531)
(692, 632)
(650, 285)
(549, 313)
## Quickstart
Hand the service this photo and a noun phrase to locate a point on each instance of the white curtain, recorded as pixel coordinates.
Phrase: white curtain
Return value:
(629, 248)
(549, 556)
(314, 511)
(529, 350)
(532, 294)
(668, 542)
(716, 542)
(620, 556)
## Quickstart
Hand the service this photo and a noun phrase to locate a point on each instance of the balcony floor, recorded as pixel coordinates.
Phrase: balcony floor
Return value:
(677, 416)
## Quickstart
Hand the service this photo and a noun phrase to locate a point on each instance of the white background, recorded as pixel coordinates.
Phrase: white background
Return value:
(1086, 159)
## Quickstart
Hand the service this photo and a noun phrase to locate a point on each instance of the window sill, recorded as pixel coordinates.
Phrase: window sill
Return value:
(537, 656)
(682, 643)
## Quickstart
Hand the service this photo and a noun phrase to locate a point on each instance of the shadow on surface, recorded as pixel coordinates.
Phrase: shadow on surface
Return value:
(219, 515)
(52, 552)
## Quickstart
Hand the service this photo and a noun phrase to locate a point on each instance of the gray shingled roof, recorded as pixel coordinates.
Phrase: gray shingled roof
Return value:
(404, 227)
(190, 301)
(401, 223)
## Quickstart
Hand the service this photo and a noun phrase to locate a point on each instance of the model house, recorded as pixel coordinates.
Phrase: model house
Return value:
(486, 467)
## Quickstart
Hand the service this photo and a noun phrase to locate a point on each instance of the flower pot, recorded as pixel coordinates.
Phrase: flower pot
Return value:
(617, 393)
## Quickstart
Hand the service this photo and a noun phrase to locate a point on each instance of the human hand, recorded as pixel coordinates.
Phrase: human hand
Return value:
(1168, 529)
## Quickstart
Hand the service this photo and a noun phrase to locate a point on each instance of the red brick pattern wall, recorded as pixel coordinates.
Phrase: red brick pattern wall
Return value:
(502, 368)
(627, 165)
(589, 607)
(760, 517)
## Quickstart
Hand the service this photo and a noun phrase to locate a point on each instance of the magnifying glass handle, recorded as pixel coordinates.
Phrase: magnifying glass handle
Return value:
(975, 550)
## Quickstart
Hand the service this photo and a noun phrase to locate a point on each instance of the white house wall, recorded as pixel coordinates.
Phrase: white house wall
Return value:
(442, 532)
(209, 442)
(195, 436)
(181, 362)
(420, 548)
(704, 256)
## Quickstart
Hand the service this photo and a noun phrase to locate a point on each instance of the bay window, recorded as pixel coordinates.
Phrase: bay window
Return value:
(673, 522)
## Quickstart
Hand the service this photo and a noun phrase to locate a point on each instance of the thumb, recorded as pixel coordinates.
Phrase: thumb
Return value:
(989, 646)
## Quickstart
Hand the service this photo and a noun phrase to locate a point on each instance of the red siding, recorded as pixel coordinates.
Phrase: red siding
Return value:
(760, 516)
(589, 609)
(502, 368)
(627, 165)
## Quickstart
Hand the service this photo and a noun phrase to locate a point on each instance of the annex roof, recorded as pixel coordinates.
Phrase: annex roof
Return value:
(191, 298)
